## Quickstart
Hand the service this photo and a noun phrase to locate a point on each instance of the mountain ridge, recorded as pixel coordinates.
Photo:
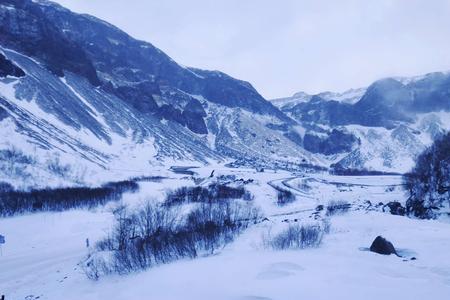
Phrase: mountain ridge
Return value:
(137, 98)
(121, 103)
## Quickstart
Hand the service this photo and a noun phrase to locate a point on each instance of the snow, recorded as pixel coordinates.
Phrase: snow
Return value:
(350, 96)
(42, 252)
(8, 7)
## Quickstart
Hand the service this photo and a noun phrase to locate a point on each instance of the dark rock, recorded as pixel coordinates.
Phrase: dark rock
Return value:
(169, 112)
(395, 208)
(8, 68)
(336, 142)
(382, 246)
(319, 207)
(384, 103)
(320, 111)
(195, 122)
(29, 29)
(294, 137)
(135, 71)
(140, 95)
(194, 106)
(3, 114)
(413, 258)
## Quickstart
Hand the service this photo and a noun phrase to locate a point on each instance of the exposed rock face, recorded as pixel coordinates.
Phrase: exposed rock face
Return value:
(3, 114)
(383, 104)
(135, 71)
(26, 28)
(93, 92)
(382, 246)
(336, 142)
(7, 68)
(390, 120)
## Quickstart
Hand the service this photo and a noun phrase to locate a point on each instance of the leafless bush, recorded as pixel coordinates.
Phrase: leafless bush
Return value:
(156, 234)
(285, 197)
(14, 202)
(14, 162)
(55, 166)
(326, 225)
(15, 155)
(213, 193)
(5, 187)
(296, 236)
(94, 266)
(337, 207)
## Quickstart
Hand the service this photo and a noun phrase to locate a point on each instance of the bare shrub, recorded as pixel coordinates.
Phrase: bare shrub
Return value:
(5, 187)
(296, 236)
(285, 197)
(428, 183)
(337, 207)
(13, 202)
(213, 193)
(94, 266)
(55, 166)
(326, 225)
(14, 162)
(154, 235)
(15, 155)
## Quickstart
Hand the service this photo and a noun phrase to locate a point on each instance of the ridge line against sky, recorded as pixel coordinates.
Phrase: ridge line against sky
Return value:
(288, 46)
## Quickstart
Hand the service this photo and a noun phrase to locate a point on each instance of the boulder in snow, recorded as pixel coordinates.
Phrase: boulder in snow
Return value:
(382, 246)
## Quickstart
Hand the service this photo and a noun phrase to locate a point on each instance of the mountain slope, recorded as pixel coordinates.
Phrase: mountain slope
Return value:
(380, 128)
(77, 88)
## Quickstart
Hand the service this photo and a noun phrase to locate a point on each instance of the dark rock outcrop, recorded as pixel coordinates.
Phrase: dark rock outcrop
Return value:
(7, 68)
(385, 103)
(135, 71)
(395, 208)
(336, 142)
(3, 114)
(26, 27)
(382, 246)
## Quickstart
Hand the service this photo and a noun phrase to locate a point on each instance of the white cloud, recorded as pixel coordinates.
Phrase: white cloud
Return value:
(289, 45)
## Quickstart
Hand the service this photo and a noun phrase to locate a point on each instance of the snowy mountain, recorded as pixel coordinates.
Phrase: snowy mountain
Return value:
(350, 96)
(379, 128)
(79, 89)
(81, 101)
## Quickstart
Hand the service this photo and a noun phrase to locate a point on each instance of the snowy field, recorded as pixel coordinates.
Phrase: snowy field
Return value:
(42, 255)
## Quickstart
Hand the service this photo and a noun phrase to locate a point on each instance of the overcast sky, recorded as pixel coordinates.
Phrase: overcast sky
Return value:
(285, 46)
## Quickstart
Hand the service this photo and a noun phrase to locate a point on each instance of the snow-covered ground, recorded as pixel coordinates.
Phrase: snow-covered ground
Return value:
(42, 255)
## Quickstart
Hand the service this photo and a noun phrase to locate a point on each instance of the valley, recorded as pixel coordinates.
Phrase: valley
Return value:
(125, 174)
(43, 256)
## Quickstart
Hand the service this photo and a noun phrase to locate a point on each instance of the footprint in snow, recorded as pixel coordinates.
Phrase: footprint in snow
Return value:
(279, 270)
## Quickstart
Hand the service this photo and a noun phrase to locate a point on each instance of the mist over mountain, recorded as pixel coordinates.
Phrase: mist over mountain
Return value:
(383, 126)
